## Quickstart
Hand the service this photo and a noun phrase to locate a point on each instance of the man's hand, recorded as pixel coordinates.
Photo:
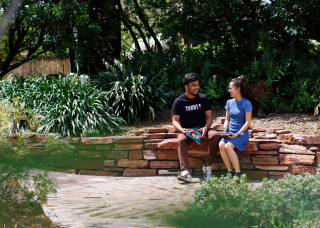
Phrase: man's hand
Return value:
(204, 131)
(184, 131)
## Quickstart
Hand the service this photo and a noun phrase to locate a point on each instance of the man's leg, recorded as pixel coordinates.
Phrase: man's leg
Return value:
(214, 138)
(183, 142)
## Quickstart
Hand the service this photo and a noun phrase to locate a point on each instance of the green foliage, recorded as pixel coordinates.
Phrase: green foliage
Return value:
(227, 202)
(134, 96)
(69, 105)
(215, 91)
(21, 194)
(58, 146)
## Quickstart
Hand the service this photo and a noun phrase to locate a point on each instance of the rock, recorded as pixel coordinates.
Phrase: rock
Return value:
(72, 140)
(113, 169)
(168, 144)
(260, 129)
(218, 166)
(271, 167)
(195, 163)
(296, 159)
(170, 128)
(108, 163)
(96, 140)
(135, 155)
(86, 164)
(153, 140)
(138, 132)
(252, 146)
(259, 152)
(139, 172)
(282, 132)
(88, 154)
(272, 173)
(128, 147)
(128, 140)
(264, 160)
(269, 146)
(172, 135)
(314, 148)
(84, 147)
(156, 136)
(103, 147)
(256, 175)
(123, 163)
(247, 166)
(157, 130)
(164, 164)
(149, 155)
(168, 154)
(243, 158)
(310, 139)
(299, 169)
(294, 149)
(97, 173)
(169, 172)
(151, 146)
(267, 136)
(58, 162)
(115, 154)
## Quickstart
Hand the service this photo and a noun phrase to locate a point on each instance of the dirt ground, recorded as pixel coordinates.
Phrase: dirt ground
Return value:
(299, 123)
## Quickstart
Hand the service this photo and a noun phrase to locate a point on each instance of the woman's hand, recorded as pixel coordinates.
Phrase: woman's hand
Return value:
(233, 136)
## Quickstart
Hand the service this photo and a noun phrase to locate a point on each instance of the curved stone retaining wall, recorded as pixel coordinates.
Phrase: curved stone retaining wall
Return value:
(270, 152)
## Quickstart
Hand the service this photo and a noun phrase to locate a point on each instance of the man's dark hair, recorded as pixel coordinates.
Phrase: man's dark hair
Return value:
(190, 77)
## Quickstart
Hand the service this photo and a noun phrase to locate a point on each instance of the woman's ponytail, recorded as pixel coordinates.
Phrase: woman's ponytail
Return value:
(241, 82)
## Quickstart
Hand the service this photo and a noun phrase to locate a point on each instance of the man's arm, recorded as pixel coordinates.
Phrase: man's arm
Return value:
(176, 124)
(209, 121)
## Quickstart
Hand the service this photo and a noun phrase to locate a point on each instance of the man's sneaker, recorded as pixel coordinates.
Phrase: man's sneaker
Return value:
(207, 171)
(185, 176)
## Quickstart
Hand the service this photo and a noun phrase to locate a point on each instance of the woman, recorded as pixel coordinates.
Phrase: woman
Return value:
(238, 119)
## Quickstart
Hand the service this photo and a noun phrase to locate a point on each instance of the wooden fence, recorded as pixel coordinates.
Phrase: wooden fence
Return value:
(46, 67)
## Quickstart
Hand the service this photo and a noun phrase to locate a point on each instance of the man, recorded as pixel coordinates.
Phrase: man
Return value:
(193, 110)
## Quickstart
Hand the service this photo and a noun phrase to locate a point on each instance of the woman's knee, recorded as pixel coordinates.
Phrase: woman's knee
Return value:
(222, 145)
(229, 146)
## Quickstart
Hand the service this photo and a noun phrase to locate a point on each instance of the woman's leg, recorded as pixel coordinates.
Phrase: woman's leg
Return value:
(224, 155)
(233, 156)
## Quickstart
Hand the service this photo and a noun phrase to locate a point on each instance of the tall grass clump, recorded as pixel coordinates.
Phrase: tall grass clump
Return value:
(133, 97)
(293, 201)
(69, 105)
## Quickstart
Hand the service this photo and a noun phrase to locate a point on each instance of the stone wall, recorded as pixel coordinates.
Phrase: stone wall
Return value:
(270, 152)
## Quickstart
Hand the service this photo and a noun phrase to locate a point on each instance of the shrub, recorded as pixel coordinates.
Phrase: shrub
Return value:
(21, 195)
(69, 105)
(233, 203)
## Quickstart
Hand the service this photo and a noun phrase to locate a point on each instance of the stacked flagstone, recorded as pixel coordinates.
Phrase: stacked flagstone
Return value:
(270, 152)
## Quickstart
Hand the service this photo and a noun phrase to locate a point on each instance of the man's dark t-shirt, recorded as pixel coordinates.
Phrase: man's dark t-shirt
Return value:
(191, 111)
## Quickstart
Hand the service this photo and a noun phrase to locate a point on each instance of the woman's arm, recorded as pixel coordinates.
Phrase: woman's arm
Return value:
(247, 123)
(226, 122)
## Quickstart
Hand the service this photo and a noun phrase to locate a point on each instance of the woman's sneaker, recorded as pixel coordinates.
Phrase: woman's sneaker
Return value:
(185, 176)
(207, 170)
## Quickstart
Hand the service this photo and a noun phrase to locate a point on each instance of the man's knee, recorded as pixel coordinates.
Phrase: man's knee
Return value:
(182, 139)
(214, 135)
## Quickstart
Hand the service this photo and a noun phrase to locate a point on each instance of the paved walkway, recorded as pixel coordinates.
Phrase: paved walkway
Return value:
(96, 201)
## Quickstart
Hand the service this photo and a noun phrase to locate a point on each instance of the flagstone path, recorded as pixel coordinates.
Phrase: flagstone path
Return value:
(98, 201)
